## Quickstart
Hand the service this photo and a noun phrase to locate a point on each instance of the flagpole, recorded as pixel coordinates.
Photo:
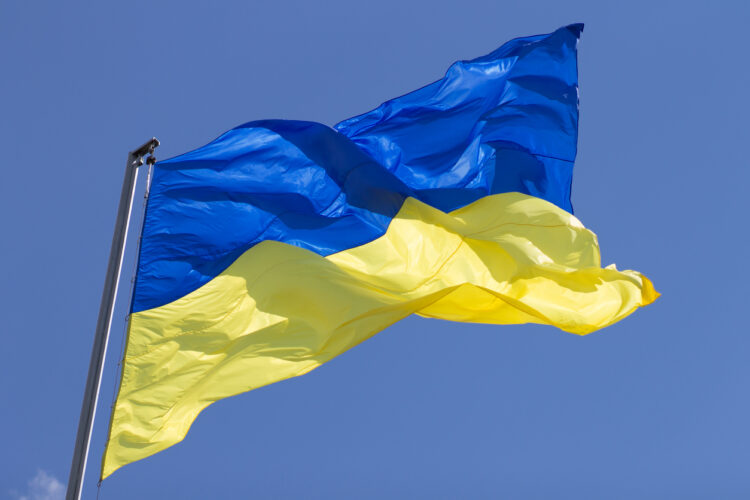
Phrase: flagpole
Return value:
(104, 322)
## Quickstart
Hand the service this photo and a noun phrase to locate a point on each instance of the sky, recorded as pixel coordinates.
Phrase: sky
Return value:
(655, 406)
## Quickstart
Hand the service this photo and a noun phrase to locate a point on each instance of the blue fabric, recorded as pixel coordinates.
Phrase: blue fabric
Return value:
(503, 122)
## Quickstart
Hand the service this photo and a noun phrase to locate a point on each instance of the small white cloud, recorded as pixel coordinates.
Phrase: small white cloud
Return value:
(43, 487)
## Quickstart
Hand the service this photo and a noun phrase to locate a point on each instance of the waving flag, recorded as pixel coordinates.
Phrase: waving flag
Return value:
(282, 244)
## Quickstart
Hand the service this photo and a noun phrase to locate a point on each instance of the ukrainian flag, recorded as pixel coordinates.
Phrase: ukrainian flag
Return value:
(282, 244)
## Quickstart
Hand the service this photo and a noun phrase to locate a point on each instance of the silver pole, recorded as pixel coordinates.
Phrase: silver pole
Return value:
(104, 323)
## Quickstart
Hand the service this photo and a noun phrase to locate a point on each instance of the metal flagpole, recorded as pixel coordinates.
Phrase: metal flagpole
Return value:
(104, 323)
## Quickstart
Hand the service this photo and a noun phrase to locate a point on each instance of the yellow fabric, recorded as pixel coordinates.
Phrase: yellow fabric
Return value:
(280, 311)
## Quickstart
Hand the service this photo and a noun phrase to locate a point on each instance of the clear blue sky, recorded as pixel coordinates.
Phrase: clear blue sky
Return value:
(654, 407)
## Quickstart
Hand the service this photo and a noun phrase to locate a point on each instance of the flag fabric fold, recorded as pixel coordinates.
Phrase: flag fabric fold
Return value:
(282, 244)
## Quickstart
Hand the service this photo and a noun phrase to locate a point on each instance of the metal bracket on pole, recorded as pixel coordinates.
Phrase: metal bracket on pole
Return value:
(104, 322)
